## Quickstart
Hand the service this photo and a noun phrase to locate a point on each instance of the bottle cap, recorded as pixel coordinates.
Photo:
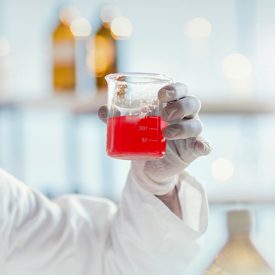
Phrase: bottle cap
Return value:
(108, 13)
(67, 14)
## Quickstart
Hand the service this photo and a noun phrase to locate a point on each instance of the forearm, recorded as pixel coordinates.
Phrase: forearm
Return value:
(171, 200)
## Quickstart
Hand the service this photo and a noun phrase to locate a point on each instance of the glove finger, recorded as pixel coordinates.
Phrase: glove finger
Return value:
(183, 129)
(202, 147)
(103, 113)
(191, 148)
(172, 92)
(187, 107)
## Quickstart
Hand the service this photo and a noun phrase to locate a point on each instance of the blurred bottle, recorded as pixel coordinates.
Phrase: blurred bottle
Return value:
(239, 256)
(63, 42)
(5, 67)
(104, 53)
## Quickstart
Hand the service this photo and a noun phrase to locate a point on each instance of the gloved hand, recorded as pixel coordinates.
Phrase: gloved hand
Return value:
(184, 143)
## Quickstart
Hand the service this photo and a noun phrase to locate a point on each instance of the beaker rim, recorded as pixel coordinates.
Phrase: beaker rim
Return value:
(140, 78)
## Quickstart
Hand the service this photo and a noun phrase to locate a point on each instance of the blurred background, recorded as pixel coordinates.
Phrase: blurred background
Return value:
(53, 59)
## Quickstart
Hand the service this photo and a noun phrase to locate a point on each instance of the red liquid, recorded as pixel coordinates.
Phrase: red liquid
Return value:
(132, 137)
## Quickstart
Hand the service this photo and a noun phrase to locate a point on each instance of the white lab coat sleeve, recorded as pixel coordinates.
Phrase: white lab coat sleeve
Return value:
(43, 237)
(80, 235)
(147, 238)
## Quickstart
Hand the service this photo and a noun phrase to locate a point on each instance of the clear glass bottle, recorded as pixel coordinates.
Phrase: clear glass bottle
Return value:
(5, 66)
(239, 256)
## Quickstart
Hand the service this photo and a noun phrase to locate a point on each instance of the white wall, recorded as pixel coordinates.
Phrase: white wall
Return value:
(158, 43)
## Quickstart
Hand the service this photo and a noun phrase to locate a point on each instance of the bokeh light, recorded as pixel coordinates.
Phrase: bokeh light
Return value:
(81, 27)
(236, 66)
(108, 13)
(122, 27)
(198, 28)
(4, 46)
(222, 169)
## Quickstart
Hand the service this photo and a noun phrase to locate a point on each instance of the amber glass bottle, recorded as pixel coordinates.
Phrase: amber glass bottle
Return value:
(63, 44)
(104, 55)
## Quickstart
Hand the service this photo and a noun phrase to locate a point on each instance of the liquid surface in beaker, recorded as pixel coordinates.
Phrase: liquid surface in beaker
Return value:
(135, 137)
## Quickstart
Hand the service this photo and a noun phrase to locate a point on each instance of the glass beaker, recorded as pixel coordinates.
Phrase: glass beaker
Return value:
(134, 125)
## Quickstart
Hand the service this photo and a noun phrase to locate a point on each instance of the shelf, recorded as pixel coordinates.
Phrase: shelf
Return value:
(238, 106)
(73, 103)
(89, 104)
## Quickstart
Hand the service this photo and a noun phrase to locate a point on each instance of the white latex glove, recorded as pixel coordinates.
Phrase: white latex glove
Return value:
(184, 143)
